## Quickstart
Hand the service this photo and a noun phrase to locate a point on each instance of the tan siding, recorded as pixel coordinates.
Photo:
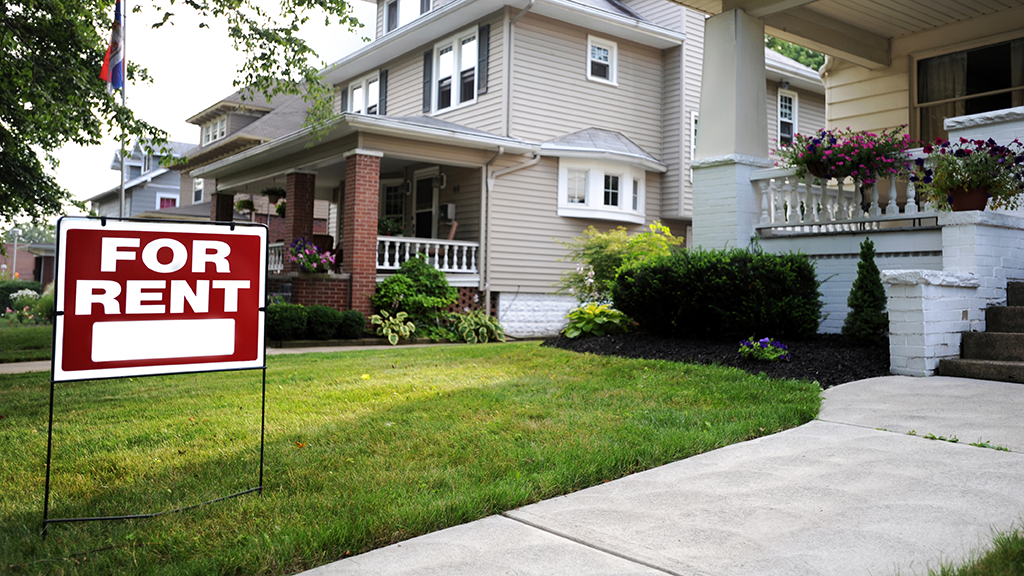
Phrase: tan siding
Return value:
(672, 135)
(692, 67)
(662, 13)
(405, 85)
(380, 18)
(811, 112)
(550, 86)
(427, 152)
(466, 200)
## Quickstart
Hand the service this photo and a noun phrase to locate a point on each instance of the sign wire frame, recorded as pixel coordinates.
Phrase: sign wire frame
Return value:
(263, 401)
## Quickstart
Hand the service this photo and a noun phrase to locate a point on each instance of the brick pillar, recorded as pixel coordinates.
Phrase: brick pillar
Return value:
(298, 214)
(359, 236)
(222, 207)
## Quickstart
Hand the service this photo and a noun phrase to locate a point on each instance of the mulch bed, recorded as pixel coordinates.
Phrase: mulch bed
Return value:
(830, 359)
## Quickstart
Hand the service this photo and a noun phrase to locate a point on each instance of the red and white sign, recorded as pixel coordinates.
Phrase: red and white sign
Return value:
(140, 298)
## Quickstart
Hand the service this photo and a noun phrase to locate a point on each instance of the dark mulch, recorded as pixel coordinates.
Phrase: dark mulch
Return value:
(830, 359)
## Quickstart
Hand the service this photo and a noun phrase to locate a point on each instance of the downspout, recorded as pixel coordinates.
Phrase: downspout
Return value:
(489, 179)
(508, 66)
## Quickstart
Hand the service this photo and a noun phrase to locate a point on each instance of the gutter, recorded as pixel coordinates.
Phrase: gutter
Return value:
(485, 213)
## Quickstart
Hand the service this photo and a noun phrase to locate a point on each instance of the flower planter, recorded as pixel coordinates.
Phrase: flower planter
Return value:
(963, 199)
(817, 169)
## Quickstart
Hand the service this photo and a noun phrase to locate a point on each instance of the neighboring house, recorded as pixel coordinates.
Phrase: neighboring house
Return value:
(147, 184)
(525, 123)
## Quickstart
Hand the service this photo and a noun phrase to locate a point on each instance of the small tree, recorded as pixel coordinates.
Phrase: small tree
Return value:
(867, 320)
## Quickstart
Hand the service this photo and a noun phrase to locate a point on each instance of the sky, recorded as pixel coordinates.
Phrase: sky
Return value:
(192, 69)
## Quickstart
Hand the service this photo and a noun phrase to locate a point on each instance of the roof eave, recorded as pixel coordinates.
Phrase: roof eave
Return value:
(644, 162)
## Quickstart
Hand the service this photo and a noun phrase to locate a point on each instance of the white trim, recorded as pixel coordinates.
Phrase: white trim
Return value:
(778, 114)
(612, 52)
(694, 116)
(363, 84)
(455, 45)
(173, 195)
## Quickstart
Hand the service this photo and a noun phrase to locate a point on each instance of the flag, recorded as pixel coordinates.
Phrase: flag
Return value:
(113, 63)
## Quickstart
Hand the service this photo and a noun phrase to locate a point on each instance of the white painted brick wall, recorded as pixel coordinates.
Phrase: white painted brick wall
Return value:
(533, 315)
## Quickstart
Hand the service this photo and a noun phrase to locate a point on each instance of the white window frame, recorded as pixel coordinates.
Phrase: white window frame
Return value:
(197, 186)
(215, 129)
(363, 84)
(593, 206)
(613, 57)
(694, 117)
(455, 43)
(167, 195)
(408, 12)
(778, 114)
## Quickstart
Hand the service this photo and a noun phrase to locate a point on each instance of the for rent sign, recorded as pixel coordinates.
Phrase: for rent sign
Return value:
(137, 298)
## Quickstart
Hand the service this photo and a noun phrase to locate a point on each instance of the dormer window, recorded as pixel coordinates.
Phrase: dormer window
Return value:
(398, 13)
(215, 130)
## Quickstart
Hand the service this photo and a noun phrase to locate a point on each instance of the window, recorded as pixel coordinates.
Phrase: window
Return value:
(601, 60)
(215, 130)
(364, 95)
(398, 13)
(456, 66)
(694, 115)
(787, 116)
(164, 200)
(393, 199)
(969, 82)
(197, 190)
(602, 190)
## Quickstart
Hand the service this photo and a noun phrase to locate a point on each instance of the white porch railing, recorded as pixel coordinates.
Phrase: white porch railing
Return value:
(448, 256)
(275, 257)
(808, 205)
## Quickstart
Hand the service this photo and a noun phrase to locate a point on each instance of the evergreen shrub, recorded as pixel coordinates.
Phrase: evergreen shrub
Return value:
(867, 320)
(352, 325)
(722, 294)
(286, 321)
(321, 322)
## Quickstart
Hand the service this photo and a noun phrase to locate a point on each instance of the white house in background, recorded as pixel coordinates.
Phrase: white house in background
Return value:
(524, 122)
(148, 185)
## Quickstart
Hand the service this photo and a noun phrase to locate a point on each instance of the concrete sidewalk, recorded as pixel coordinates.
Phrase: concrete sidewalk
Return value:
(850, 493)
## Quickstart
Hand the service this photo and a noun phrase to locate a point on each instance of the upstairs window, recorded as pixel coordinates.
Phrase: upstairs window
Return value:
(787, 116)
(972, 81)
(215, 130)
(398, 13)
(601, 60)
(364, 95)
(456, 66)
(197, 190)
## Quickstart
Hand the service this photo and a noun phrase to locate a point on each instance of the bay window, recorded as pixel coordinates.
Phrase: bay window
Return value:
(601, 190)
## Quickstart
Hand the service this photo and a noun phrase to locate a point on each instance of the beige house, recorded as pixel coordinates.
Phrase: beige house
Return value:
(491, 130)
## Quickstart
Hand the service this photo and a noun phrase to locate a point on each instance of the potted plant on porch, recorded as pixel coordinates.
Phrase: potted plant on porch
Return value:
(968, 174)
(839, 154)
(390, 226)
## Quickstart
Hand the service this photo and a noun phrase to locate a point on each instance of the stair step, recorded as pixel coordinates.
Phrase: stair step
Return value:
(1004, 319)
(993, 346)
(1015, 293)
(982, 369)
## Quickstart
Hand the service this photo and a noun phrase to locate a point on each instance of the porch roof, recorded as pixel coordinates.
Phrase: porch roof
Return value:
(856, 32)
(253, 163)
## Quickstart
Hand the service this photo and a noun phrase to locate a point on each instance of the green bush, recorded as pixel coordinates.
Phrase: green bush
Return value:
(422, 292)
(352, 325)
(286, 321)
(8, 287)
(45, 304)
(722, 294)
(596, 320)
(321, 322)
(867, 320)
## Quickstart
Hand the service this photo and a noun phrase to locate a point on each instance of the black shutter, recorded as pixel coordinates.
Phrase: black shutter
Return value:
(344, 99)
(382, 103)
(428, 60)
(483, 51)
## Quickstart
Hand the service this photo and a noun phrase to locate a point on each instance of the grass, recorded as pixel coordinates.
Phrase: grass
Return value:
(1005, 558)
(363, 449)
(24, 343)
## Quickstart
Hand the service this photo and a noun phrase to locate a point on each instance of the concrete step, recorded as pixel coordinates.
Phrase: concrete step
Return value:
(1015, 293)
(993, 346)
(1004, 319)
(983, 369)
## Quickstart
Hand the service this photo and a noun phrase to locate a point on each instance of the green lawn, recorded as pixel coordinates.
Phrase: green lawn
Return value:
(363, 449)
(24, 343)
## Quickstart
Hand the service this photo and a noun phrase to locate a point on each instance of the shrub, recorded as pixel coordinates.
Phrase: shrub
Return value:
(867, 320)
(286, 321)
(45, 304)
(476, 327)
(8, 287)
(352, 325)
(596, 320)
(722, 294)
(600, 256)
(421, 291)
(321, 322)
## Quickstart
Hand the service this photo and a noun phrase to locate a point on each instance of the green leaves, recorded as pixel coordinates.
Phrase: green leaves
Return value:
(393, 327)
(596, 320)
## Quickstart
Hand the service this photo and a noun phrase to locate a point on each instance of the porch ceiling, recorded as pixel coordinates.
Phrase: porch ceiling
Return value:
(859, 31)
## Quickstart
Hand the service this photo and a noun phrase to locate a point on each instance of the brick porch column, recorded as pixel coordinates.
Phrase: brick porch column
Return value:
(359, 235)
(222, 207)
(298, 215)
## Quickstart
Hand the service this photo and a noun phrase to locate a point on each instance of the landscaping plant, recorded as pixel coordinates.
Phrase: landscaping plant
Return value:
(476, 327)
(393, 327)
(765, 349)
(322, 322)
(286, 321)
(867, 320)
(596, 320)
(310, 257)
(970, 164)
(422, 292)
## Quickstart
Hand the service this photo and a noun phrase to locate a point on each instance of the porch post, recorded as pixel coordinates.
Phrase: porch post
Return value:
(222, 207)
(732, 132)
(359, 235)
(298, 215)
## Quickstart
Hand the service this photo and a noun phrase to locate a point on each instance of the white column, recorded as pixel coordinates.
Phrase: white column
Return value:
(732, 136)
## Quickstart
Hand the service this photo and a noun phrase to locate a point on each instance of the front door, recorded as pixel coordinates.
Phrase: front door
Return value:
(426, 206)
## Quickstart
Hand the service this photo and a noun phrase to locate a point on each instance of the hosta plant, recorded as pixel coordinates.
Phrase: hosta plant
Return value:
(596, 320)
(477, 327)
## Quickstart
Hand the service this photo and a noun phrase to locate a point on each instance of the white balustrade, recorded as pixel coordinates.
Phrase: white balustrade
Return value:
(275, 257)
(448, 256)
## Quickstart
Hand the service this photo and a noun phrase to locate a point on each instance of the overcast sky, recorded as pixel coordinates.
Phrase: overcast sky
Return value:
(193, 68)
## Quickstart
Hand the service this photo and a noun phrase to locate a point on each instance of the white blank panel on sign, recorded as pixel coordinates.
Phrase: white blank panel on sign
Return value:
(155, 339)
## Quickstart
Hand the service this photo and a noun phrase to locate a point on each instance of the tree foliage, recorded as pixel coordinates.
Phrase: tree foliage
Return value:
(867, 320)
(805, 56)
(51, 94)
